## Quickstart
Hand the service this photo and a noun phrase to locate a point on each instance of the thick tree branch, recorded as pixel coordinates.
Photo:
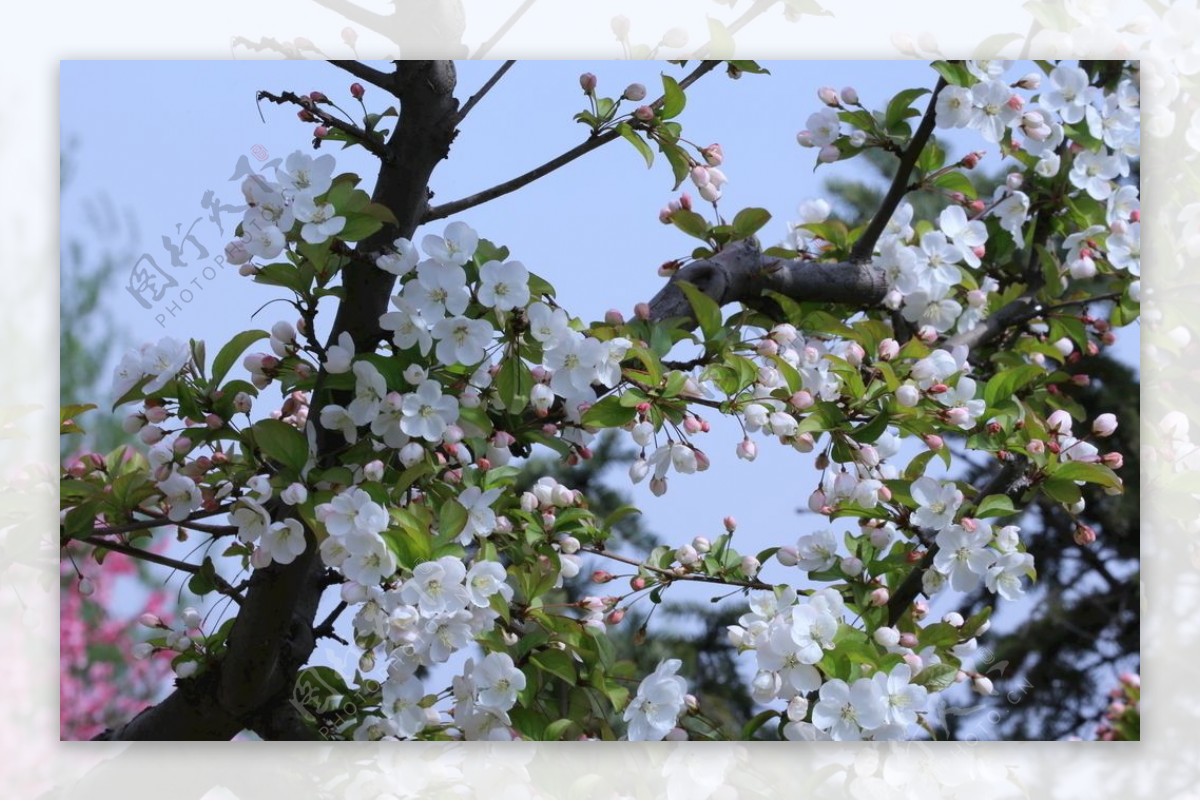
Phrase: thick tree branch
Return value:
(512, 185)
(865, 245)
(741, 274)
(384, 80)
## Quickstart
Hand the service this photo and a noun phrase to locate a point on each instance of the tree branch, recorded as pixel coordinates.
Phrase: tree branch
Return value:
(865, 245)
(157, 522)
(669, 577)
(384, 80)
(483, 90)
(364, 137)
(512, 185)
(741, 274)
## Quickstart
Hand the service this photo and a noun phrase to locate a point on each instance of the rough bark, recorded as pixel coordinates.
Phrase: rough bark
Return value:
(742, 274)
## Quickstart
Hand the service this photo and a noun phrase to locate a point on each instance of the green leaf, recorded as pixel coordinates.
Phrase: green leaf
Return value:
(677, 159)
(639, 144)
(673, 98)
(359, 227)
(899, 108)
(608, 413)
(1062, 490)
(204, 580)
(1006, 383)
(1090, 472)
(995, 506)
(558, 729)
(452, 519)
(690, 223)
(955, 181)
(748, 221)
(557, 662)
(956, 73)
(708, 313)
(231, 350)
(279, 441)
(514, 383)
(757, 722)
(936, 678)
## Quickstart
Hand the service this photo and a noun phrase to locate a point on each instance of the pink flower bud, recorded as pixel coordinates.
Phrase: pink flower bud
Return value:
(888, 349)
(1114, 459)
(909, 640)
(750, 565)
(829, 154)
(658, 487)
(927, 334)
(982, 685)
(801, 400)
(713, 155)
(320, 133)
(1016, 102)
(852, 566)
(788, 556)
(318, 97)
(730, 523)
(971, 159)
(637, 583)
(908, 395)
(1084, 534)
(1036, 447)
(181, 445)
(86, 587)
(644, 113)
(642, 311)
(1030, 81)
(615, 617)
(804, 139)
(357, 91)
(934, 442)
(602, 577)
(635, 92)
(817, 501)
(587, 82)
(829, 96)
(1104, 425)
(850, 95)
(879, 596)
(151, 435)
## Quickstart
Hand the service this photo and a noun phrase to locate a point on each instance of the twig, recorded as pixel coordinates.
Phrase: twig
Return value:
(483, 90)
(325, 627)
(384, 80)
(139, 525)
(503, 29)
(224, 587)
(365, 139)
(670, 577)
(866, 243)
(512, 185)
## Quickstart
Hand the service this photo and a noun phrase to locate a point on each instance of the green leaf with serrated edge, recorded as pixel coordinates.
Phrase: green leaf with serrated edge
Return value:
(231, 350)
(1090, 472)
(708, 313)
(936, 678)
(608, 413)
(279, 441)
(639, 144)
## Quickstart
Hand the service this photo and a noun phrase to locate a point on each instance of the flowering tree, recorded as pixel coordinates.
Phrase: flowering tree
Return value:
(387, 477)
